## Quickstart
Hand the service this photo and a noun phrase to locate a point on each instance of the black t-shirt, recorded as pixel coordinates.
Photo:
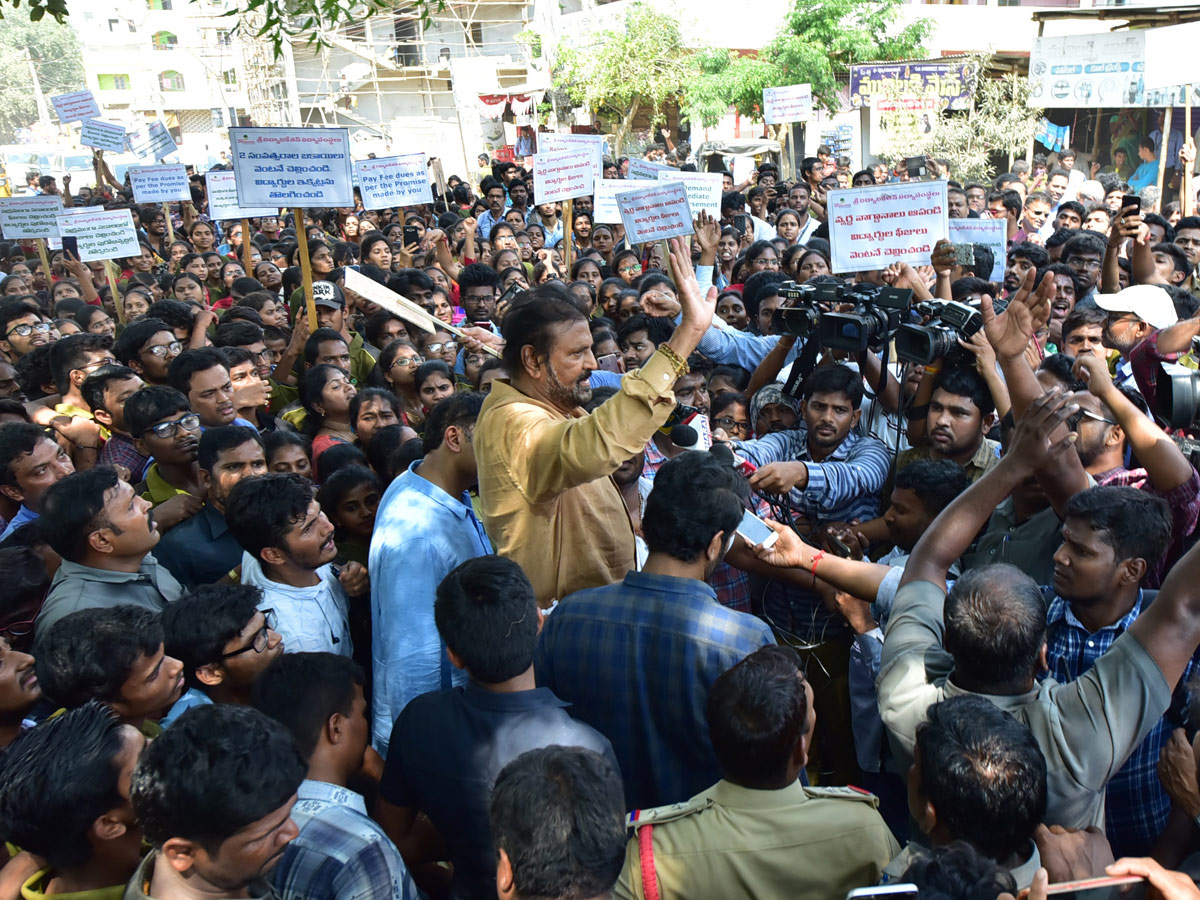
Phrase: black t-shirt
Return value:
(446, 749)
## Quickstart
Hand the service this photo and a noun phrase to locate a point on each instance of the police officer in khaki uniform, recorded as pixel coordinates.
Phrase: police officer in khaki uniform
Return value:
(758, 832)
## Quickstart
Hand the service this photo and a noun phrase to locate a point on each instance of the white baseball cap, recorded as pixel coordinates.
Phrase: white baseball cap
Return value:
(1148, 302)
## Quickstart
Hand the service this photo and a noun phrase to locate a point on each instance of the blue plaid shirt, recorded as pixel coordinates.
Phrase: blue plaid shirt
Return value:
(340, 852)
(635, 660)
(1136, 806)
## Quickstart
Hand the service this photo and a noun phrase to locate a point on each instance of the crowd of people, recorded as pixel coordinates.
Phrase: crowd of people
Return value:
(354, 608)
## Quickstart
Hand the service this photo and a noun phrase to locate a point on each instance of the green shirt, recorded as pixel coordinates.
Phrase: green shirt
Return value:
(1086, 729)
(35, 889)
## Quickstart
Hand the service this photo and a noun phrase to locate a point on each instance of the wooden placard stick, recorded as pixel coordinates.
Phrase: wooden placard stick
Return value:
(1162, 154)
(1186, 196)
(305, 268)
(110, 273)
(45, 258)
(568, 214)
(170, 224)
(247, 256)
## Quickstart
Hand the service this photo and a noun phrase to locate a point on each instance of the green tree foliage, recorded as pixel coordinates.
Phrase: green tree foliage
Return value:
(617, 73)
(999, 123)
(54, 49)
(818, 41)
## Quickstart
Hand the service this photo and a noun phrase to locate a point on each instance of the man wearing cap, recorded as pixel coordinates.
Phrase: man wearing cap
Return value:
(331, 313)
(1136, 315)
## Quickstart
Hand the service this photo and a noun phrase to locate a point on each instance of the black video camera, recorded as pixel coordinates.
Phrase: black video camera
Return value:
(1177, 397)
(800, 313)
(878, 312)
(924, 343)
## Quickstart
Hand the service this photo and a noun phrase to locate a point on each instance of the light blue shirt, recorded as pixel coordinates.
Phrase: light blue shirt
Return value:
(740, 348)
(312, 619)
(340, 853)
(421, 533)
(191, 697)
(24, 514)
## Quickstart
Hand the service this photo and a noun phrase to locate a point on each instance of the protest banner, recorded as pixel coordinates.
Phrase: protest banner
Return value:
(159, 184)
(223, 201)
(563, 176)
(549, 142)
(655, 213)
(292, 166)
(101, 135)
(23, 218)
(873, 227)
(102, 234)
(947, 84)
(152, 140)
(703, 189)
(787, 103)
(394, 181)
(993, 233)
(75, 106)
(1103, 69)
(604, 198)
(644, 170)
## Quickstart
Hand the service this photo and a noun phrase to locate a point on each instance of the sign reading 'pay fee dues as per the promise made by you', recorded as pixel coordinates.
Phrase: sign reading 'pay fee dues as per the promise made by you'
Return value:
(872, 227)
(292, 166)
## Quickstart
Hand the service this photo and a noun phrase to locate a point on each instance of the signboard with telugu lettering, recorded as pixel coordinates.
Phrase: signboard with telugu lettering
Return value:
(102, 135)
(947, 83)
(152, 140)
(551, 142)
(292, 166)
(703, 189)
(872, 227)
(75, 106)
(604, 198)
(394, 181)
(223, 201)
(993, 233)
(563, 176)
(646, 170)
(787, 103)
(102, 234)
(655, 213)
(30, 217)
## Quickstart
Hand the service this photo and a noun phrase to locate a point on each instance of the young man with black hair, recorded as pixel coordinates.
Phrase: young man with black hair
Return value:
(960, 412)
(288, 553)
(1069, 215)
(977, 776)
(202, 376)
(22, 328)
(202, 550)
(105, 391)
(640, 336)
(73, 359)
(537, 857)
(165, 428)
(114, 655)
(331, 313)
(340, 851)
(104, 533)
(66, 800)
(1022, 259)
(1007, 205)
(224, 642)
(479, 288)
(20, 691)
(1085, 254)
(758, 831)
(546, 495)
(148, 346)
(214, 795)
(1083, 331)
(613, 653)
(31, 462)
(250, 338)
(489, 620)
(424, 527)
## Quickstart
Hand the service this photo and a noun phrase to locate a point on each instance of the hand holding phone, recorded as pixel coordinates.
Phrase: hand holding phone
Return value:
(757, 532)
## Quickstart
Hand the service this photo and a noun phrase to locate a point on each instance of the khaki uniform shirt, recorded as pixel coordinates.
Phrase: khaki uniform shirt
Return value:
(138, 887)
(1086, 729)
(546, 494)
(730, 841)
(987, 455)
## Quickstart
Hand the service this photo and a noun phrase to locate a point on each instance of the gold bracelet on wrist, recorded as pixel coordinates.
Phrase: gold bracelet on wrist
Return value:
(678, 363)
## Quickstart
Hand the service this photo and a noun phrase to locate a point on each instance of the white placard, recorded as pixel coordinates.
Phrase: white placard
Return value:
(393, 181)
(703, 189)
(563, 176)
(873, 227)
(103, 234)
(1169, 55)
(223, 201)
(604, 198)
(743, 167)
(159, 184)
(991, 232)
(152, 140)
(30, 217)
(55, 243)
(787, 103)
(643, 169)
(102, 135)
(75, 106)
(292, 166)
(1104, 69)
(655, 213)
(550, 142)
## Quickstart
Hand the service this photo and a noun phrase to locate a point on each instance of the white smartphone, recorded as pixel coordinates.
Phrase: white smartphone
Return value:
(755, 531)
(890, 891)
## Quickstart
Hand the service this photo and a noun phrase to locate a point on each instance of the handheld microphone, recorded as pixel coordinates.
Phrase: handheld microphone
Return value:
(686, 438)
